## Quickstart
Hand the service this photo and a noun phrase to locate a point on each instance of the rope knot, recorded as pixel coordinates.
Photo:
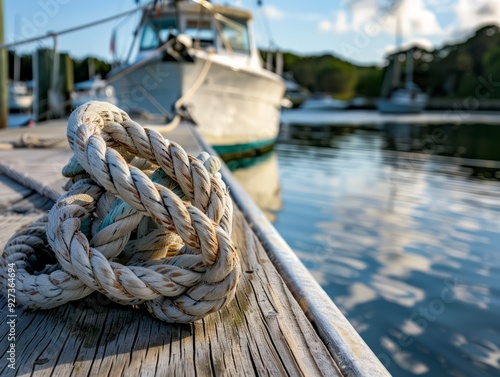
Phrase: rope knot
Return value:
(142, 222)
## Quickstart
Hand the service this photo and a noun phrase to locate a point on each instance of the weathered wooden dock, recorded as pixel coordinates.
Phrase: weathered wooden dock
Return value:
(281, 323)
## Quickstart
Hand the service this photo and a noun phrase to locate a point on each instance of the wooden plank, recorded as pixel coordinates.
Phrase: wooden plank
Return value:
(263, 331)
(352, 354)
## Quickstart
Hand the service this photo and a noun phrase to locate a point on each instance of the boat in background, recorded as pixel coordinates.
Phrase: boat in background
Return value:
(95, 89)
(294, 92)
(201, 59)
(20, 93)
(410, 98)
(323, 101)
(403, 101)
(20, 96)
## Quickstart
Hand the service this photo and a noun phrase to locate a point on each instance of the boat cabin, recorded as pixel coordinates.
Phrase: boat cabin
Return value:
(223, 29)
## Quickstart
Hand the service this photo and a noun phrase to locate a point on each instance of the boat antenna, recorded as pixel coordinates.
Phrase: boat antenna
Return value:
(267, 28)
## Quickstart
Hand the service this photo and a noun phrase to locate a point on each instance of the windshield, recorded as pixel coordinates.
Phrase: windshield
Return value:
(201, 31)
(157, 32)
(236, 33)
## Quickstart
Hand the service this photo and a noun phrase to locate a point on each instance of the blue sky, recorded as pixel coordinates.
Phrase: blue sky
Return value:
(361, 31)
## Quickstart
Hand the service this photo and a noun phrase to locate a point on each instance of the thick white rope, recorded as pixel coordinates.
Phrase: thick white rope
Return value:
(142, 223)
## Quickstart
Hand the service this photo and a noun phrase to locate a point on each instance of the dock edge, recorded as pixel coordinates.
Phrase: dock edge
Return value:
(346, 346)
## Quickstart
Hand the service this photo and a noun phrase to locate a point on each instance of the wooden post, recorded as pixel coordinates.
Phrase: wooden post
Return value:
(4, 108)
(67, 80)
(42, 73)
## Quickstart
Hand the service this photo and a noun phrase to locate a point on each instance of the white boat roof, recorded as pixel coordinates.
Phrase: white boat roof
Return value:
(190, 7)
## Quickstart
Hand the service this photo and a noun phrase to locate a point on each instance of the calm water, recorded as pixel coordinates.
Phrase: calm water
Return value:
(403, 236)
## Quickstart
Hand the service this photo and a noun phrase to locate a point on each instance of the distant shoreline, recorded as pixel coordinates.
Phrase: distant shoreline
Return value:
(466, 104)
(315, 118)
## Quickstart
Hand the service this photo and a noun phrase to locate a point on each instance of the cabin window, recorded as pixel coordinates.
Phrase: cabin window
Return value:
(235, 31)
(157, 32)
(200, 31)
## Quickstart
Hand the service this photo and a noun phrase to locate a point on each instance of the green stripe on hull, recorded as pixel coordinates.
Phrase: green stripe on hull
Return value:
(237, 151)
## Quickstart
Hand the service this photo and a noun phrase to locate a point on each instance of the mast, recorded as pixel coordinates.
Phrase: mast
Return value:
(387, 84)
(91, 66)
(409, 68)
(269, 60)
(279, 63)
(396, 72)
(399, 33)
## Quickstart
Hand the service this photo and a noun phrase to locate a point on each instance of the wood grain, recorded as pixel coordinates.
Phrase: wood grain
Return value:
(263, 332)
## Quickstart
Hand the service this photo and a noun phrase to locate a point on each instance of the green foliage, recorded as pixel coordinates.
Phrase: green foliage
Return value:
(83, 70)
(324, 73)
(456, 68)
(80, 68)
(26, 67)
(451, 71)
(370, 81)
(467, 85)
(492, 67)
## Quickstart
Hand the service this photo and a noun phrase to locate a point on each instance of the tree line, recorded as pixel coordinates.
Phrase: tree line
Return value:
(452, 71)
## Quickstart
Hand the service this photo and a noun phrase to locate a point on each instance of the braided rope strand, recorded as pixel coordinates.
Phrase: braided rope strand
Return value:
(149, 225)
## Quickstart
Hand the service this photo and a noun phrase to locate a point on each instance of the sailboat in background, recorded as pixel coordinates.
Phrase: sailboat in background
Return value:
(408, 99)
(93, 89)
(20, 96)
(20, 92)
(397, 99)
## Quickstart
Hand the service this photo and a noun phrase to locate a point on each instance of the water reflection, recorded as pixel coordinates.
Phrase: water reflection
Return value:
(401, 226)
(260, 178)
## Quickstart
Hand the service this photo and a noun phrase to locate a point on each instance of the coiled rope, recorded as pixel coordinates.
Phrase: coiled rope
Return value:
(142, 222)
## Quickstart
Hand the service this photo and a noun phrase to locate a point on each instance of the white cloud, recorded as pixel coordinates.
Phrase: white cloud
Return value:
(415, 18)
(341, 24)
(358, 16)
(363, 12)
(470, 14)
(367, 16)
(412, 42)
(273, 13)
(325, 26)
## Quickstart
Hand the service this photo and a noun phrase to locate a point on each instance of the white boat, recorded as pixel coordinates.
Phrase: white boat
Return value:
(20, 96)
(403, 101)
(409, 99)
(397, 99)
(323, 102)
(205, 54)
(20, 93)
(94, 89)
(295, 93)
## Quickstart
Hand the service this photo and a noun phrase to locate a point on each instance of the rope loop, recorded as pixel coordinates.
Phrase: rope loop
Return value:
(142, 222)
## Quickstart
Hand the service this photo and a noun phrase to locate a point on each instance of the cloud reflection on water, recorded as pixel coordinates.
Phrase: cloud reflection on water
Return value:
(405, 246)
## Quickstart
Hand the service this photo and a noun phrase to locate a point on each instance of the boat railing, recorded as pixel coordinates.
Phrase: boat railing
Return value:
(211, 11)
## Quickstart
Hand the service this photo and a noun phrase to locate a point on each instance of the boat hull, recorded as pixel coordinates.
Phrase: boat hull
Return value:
(21, 102)
(392, 107)
(234, 109)
(20, 97)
